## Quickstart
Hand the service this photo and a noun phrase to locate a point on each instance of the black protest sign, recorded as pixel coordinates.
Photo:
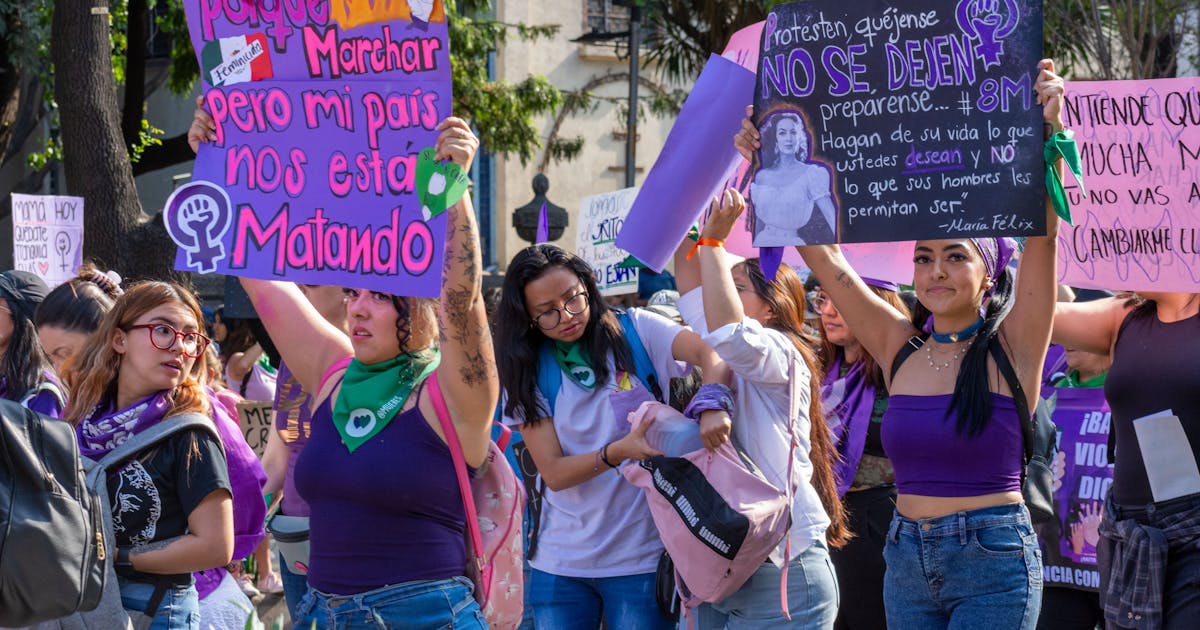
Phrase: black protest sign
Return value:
(898, 123)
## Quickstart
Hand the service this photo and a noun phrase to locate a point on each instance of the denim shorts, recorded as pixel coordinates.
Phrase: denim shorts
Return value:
(179, 609)
(424, 604)
(975, 569)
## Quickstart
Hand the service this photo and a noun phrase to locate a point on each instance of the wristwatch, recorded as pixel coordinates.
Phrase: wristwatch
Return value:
(123, 561)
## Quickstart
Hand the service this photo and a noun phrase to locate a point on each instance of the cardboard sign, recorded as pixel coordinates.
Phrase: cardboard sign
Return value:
(882, 123)
(48, 236)
(316, 175)
(1138, 227)
(600, 220)
(256, 418)
(1082, 417)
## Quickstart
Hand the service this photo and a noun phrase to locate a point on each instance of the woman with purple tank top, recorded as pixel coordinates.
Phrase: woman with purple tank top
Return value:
(387, 521)
(960, 550)
(1148, 553)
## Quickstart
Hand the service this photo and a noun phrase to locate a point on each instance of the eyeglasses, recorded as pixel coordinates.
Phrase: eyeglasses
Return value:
(817, 300)
(574, 305)
(163, 337)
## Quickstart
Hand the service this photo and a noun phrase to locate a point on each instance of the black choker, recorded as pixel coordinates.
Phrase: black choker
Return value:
(954, 337)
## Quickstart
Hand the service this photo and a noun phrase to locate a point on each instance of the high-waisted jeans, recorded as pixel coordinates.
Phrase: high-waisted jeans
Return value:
(425, 604)
(975, 569)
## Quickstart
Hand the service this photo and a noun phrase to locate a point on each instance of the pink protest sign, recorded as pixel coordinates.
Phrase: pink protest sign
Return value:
(1138, 226)
(316, 175)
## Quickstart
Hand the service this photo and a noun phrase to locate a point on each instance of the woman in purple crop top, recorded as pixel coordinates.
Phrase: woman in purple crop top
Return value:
(1147, 554)
(960, 551)
(387, 521)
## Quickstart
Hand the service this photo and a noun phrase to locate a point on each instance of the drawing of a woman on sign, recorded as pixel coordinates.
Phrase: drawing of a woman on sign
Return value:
(788, 187)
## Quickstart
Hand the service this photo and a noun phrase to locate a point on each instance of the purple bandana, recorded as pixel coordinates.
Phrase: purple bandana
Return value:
(107, 429)
(848, 402)
(996, 253)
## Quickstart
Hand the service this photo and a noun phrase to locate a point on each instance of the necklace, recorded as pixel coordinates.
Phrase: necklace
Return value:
(956, 336)
(957, 353)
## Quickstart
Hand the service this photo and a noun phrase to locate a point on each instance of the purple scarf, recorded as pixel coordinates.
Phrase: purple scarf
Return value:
(847, 402)
(106, 428)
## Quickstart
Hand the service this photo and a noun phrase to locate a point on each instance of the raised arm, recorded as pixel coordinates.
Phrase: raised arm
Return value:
(1089, 326)
(1027, 328)
(880, 328)
(468, 369)
(313, 344)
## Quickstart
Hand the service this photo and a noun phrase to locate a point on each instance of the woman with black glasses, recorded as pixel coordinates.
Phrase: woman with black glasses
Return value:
(171, 506)
(568, 365)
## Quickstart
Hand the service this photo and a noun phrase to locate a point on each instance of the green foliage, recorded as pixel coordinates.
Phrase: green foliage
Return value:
(148, 136)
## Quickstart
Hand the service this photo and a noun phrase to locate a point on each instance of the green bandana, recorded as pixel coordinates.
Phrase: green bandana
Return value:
(373, 394)
(1072, 380)
(1062, 144)
(574, 363)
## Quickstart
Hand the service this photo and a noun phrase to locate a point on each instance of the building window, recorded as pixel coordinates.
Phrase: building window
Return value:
(603, 16)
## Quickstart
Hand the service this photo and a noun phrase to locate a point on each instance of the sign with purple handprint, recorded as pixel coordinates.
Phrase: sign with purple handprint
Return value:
(1138, 225)
(321, 112)
(884, 121)
(48, 236)
(1082, 475)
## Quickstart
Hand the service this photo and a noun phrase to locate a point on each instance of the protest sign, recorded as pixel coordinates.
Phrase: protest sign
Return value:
(317, 173)
(696, 160)
(48, 236)
(255, 417)
(1069, 542)
(1138, 226)
(600, 219)
(882, 123)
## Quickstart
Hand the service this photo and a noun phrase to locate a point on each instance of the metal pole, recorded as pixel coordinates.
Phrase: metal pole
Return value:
(631, 140)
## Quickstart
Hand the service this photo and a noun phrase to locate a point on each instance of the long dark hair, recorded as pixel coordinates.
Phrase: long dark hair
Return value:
(519, 341)
(785, 296)
(79, 304)
(25, 363)
(972, 398)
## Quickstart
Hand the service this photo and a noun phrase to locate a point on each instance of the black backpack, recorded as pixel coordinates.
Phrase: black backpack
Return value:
(47, 513)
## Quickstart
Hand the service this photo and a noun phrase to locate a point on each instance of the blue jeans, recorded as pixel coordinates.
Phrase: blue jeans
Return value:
(295, 585)
(976, 569)
(567, 603)
(812, 597)
(424, 604)
(179, 609)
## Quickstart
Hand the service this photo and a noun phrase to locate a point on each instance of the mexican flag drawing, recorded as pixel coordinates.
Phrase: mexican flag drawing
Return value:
(237, 59)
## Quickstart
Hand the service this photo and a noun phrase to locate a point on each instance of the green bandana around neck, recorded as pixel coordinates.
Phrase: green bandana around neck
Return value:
(372, 395)
(1072, 380)
(574, 363)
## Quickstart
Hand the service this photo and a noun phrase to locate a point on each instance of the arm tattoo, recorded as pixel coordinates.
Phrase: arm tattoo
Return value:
(845, 279)
(155, 546)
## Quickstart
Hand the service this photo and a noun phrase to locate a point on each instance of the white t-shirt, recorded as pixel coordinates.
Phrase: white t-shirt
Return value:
(760, 359)
(602, 527)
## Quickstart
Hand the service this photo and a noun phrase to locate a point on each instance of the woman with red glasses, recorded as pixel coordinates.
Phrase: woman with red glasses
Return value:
(171, 506)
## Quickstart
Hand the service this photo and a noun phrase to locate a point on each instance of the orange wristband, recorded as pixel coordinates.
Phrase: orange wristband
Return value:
(709, 242)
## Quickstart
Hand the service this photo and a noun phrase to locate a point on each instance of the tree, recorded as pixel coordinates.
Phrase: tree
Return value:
(1120, 39)
(99, 138)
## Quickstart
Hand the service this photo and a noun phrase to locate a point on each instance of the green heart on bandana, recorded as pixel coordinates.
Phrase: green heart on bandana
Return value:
(372, 395)
(439, 184)
(574, 363)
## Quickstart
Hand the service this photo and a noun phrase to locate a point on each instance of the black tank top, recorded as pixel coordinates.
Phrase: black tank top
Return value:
(1156, 366)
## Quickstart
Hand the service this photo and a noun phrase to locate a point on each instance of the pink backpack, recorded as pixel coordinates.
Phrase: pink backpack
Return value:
(718, 517)
(495, 505)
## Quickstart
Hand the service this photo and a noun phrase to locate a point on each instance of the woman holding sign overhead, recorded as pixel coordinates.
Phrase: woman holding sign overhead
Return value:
(1148, 553)
(960, 550)
(386, 527)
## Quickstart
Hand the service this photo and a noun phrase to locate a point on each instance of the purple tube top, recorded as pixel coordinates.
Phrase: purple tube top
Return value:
(932, 459)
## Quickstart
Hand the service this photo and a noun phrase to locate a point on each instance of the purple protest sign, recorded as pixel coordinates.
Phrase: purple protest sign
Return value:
(1069, 543)
(1138, 226)
(321, 112)
(694, 164)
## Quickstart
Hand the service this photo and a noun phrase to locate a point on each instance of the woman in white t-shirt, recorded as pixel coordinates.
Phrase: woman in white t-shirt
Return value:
(597, 545)
(756, 326)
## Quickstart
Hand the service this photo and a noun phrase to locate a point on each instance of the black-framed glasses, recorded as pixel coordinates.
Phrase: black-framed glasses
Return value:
(574, 305)
(163, 337)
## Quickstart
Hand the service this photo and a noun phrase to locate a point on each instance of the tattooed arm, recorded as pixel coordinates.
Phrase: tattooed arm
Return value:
(208, 543)
(468, 370)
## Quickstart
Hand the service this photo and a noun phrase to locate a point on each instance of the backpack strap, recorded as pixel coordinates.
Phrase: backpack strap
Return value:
(152, 436)
(792, 486)
(1021, 401)
(460, 468)
(914, 344)
(549, 376)
(642, 365)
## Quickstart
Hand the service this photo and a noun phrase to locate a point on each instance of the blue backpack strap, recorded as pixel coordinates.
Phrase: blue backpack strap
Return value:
(642, 365)
(549, 378)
